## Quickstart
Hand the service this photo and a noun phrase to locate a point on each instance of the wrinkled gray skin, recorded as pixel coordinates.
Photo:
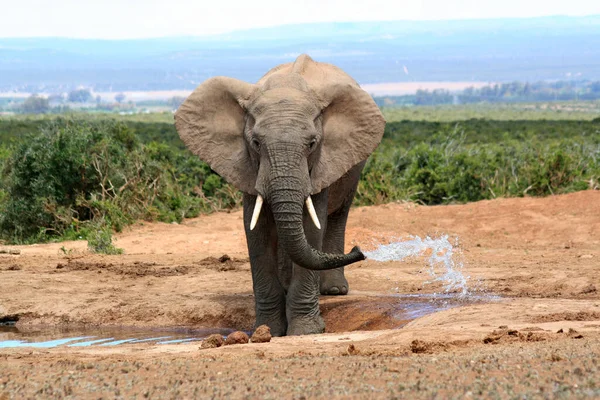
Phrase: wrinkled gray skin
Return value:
(304, 130)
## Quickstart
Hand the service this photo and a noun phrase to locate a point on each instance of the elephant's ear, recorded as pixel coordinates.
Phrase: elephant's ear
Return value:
(352, 128)
(211, 124)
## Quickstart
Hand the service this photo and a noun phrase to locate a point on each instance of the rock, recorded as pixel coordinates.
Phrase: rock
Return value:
(238, 337)
(352, 350)
(574, 334)
(212, 342)
(262, 334)
(224, 258)
(419, 346)
(588, 289)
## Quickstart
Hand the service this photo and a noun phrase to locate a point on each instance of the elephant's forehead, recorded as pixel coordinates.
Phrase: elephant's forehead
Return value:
(283, 100)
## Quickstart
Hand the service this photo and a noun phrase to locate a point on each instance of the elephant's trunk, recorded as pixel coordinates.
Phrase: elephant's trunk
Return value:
(285, 195)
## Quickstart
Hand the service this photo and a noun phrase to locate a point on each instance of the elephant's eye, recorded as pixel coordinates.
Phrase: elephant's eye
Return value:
(312, 143)
(256, 144)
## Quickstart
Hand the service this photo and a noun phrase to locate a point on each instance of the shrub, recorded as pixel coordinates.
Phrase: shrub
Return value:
(76, 173)
(86, 178)
(100, 241)
(450, 167)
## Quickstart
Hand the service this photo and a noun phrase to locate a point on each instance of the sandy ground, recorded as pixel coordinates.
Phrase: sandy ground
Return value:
(540, 337)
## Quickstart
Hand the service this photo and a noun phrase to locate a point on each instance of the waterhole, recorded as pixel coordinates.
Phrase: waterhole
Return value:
(11, 337)
(357, 311)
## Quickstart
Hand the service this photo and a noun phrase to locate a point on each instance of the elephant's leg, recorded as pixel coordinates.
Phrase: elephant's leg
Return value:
(269, 294)
(302, 305)
(333, 282)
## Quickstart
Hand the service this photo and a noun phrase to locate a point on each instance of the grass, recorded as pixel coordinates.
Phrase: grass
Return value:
(573, 111)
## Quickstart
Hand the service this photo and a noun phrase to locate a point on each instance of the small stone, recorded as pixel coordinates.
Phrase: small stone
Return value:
(586, 256)
(14, 267)
(352, 350)
(419, 346)
(588, 289)
(573, 334)
(555, 357)
(262, 334)
(212, 342)
(238, 337)
(224, 258)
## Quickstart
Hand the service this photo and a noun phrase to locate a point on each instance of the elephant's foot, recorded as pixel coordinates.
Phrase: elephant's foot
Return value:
(304, 325)
(333, 282)
(277, 323)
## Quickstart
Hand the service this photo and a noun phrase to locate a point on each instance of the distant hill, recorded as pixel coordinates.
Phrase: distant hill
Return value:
(498, 50)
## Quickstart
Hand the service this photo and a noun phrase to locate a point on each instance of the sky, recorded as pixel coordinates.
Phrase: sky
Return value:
(125, 19)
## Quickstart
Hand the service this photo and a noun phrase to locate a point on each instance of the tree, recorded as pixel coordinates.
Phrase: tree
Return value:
(57, 98)
(35, 104)
(80, 96)
(120, 97)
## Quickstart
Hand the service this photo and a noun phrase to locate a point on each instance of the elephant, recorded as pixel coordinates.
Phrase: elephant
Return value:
(295, 144)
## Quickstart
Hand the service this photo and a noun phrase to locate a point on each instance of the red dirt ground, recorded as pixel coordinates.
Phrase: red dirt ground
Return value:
(540, 255)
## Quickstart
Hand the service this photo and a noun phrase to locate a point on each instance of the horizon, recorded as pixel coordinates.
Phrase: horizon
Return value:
(145, 19)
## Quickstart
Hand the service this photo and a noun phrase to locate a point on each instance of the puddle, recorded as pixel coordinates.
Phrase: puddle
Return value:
(376, 312)
(443, 265)
(361, 311)
(11, 337)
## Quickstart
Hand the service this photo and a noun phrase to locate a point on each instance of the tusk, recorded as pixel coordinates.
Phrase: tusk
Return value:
(312, 212)
(256, 213)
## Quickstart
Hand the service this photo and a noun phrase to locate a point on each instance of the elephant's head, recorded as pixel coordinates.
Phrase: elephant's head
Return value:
(291, 135)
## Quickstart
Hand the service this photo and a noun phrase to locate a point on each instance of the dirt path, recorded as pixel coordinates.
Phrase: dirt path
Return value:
(541, 256)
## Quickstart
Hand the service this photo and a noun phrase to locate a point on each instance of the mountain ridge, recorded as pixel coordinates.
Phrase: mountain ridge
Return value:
(504, 49)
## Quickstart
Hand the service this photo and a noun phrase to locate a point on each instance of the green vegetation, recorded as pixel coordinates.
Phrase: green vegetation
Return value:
(451, 166)
(81, 179)
(68, 178)
(556, 111)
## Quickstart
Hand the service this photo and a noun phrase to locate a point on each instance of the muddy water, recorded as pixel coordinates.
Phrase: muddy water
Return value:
(361, 312)
(11, 337)
(372, 311)
(366, 311)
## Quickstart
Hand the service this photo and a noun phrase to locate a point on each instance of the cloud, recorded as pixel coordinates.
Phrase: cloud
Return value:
(119, 19)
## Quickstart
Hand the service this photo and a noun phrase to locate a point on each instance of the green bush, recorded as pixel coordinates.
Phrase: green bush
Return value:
(100, 241)
(76, 173)
(85, 178)
(451, 168)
